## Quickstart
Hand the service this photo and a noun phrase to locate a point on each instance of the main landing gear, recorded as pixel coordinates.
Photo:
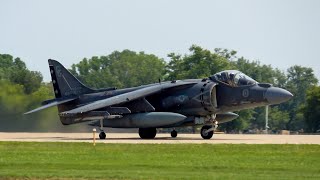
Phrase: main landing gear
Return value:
(147, 133)
(150, 133)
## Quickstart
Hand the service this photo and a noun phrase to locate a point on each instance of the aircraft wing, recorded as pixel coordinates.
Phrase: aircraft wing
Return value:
(51, 103)
(126, 97)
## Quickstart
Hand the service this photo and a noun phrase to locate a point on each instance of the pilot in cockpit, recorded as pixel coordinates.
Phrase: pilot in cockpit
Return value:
(233, 78)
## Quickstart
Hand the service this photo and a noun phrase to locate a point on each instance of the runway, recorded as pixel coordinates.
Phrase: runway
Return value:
(134, 138)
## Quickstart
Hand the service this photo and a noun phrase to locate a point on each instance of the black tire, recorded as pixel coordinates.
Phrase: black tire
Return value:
(102, 135)
(206, 135)
(174, 133)
(147, 133)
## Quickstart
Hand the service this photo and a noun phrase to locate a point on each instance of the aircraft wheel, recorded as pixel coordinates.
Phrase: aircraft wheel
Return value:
(204, 134)
(102, 135)
(147, 133)
(174, 133)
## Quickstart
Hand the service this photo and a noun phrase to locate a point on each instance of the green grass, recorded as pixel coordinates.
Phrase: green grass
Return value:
(27, 160)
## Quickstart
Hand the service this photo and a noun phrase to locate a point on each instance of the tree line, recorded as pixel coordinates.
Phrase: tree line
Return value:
(23, 89)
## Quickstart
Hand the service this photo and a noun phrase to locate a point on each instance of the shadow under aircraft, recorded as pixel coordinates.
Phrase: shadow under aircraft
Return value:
(191, 102)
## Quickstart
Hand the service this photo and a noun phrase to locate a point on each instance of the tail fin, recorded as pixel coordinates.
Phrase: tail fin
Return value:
(64, 83)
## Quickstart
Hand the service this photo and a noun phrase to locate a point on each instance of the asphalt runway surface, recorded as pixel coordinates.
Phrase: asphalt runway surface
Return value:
(133, 138)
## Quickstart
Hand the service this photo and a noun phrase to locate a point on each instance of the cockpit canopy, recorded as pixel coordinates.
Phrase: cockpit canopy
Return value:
(233, 78)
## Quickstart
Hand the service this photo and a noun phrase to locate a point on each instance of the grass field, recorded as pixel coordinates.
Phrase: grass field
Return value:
(26, 160)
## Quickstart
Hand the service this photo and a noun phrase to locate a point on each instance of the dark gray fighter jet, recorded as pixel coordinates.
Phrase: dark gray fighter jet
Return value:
(192, 102)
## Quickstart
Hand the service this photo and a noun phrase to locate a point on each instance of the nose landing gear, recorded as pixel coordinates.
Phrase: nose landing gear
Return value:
(208, 130)
(205, 134)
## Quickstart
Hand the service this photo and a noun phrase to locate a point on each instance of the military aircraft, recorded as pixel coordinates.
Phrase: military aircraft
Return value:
(192, 102)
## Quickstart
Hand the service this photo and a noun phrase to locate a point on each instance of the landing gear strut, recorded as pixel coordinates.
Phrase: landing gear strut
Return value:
(147, 133)
(174, 133)
(102, 134)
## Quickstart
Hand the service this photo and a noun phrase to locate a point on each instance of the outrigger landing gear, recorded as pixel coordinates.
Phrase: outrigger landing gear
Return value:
(174, 133)
(102, 134)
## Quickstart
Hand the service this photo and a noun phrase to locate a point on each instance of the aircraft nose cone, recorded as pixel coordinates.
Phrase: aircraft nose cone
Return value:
(276, 95)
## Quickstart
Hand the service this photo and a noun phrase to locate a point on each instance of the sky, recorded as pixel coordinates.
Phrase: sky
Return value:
(281, 33)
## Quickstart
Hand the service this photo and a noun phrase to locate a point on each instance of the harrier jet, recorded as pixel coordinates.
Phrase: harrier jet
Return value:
(191, 102)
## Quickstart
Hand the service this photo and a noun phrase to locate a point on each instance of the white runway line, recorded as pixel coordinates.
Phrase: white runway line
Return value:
(134, 138)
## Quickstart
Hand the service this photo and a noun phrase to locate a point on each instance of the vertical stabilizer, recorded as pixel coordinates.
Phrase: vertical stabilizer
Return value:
(64, 83)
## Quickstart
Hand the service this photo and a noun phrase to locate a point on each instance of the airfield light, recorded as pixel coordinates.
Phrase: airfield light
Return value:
(267, 119)
(94, 136)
